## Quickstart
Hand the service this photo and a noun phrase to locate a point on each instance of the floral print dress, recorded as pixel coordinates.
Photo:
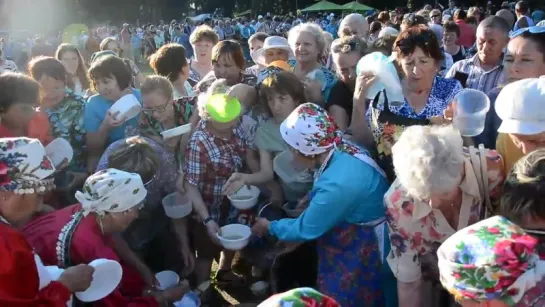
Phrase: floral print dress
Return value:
(66, 120)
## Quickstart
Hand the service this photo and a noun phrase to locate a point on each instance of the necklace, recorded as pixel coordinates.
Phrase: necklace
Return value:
(100, 225)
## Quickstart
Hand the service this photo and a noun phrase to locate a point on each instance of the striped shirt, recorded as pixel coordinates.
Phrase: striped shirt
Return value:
(478, 78)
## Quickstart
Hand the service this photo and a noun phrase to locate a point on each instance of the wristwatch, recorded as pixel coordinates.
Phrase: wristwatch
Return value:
(206, 220)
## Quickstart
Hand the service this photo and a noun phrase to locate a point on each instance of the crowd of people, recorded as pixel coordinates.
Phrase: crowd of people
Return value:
(380, 202)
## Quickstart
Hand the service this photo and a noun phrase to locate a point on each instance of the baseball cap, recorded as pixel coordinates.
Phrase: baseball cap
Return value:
(520, 107)
(260, 16)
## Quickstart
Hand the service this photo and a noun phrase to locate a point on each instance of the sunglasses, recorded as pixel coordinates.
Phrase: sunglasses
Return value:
(532, 30)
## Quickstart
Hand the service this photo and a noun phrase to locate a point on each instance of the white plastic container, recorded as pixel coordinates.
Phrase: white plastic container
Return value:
(234, 236)
(470, 108)
(128, 107)
(170, 133)
(106, 278)
(177, 205)
(58, 150)
(260, 288)
(245, 198)
(167, 279)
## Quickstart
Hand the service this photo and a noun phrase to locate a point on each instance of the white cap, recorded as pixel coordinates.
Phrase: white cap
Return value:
(271, 42)
(260, 16)
(388, 32)
(520, 107)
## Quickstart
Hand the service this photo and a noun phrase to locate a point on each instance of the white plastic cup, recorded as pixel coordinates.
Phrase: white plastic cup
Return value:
(470, 108)
(167, 279)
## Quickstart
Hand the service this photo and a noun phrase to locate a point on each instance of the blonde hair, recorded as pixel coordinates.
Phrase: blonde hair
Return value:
(428, 160)
(136, 156)
(524, 189)
(156, 83)
(203, 32)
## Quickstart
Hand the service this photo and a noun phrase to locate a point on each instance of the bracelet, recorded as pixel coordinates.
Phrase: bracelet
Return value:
(206, 220)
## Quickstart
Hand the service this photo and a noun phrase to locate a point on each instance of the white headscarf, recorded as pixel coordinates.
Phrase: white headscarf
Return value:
(111, 190)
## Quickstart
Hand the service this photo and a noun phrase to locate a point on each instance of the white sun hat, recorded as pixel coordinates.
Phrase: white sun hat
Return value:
(272, 42)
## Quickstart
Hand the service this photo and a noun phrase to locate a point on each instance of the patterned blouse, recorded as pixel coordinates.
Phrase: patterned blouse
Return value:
(416, 230)
(183, 110)
(209, 162)
(66, 120)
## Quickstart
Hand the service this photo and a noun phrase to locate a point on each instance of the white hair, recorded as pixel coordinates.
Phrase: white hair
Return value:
(428, 160)
(312, 29)
(353, 18)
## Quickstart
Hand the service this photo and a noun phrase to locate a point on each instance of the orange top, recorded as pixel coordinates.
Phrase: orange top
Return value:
(38, 128)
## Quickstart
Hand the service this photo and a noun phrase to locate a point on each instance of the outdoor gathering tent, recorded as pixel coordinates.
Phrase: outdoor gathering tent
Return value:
(356, 6)
(323, 6)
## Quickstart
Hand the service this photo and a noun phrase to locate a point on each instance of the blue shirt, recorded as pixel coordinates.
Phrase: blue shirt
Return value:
(338, 196)
(136, 42)
(95, 111)
(247, 31)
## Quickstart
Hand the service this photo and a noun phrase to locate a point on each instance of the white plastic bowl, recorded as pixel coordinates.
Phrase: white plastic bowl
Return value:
(245, 198)
(58, 150)
(167, 279)
(128, 107)
(260, 288)
(234, 236)
(170, 133)
(177, 205)
(106, 278)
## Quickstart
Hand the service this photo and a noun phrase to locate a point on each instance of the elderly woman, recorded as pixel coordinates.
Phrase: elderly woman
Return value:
(73, 62)
(109, 202)
(110, 43)
(346, 51)
(355, 276)
(229, 64)
(493, 263)
(439, 189)
(22, 278)
(426, 95)
(354, 24)
(149, 233)
(217, 148)
(203, 39)
(308, 44)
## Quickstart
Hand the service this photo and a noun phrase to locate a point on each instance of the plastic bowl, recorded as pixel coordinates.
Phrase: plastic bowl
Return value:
(177, 205)
(58, 150)
(170, 133)
(106, 278)
(128, 107)
(234, 236)
(260, 288)
(245, 198)
(167, 279)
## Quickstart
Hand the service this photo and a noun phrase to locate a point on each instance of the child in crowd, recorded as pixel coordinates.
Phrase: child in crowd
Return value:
(256, 42)
(111, 79)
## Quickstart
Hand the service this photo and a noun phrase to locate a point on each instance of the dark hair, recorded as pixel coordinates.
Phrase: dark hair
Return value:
(537, 38)
(168, 61)
(284, 83)
(82, 68)
(495, 22)
(110, 66)
(460, 14)
(384, 45)
(47, 66)
(229, 48)
(522, 7)
(136, 155)
(451, 26)
(375, 26)
(17, 88)
(260, 36)
(383, 17)
(418, 36)
(524, 189)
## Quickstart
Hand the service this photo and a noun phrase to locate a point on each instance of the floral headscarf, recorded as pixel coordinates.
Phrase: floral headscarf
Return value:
(310, 130)
(300, 297)
(491, 260)
(24, 166)
(111, 190)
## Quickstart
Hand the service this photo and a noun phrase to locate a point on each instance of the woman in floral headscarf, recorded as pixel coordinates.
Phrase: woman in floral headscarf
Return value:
(493, 262)
(25, 173)
(300, 297)
(345, 213)
(110, 201)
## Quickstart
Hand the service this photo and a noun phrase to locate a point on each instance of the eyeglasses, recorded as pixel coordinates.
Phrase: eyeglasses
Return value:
(159, 110)
(532, 30)
(150, 181)
(435, 16)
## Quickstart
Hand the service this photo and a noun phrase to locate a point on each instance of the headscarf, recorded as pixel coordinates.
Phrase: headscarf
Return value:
(111, 190)
(24, 166)
(491, 260)
(300, 297)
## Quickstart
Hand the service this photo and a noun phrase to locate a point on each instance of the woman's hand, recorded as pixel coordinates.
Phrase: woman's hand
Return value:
(234, 183)
(111, 120)
(148, 276)
(180, 182)
(189, 260)
(363, 83)
(213, 229)
(77, 278)
(261, 227)
(313, 90)
(173, 294)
